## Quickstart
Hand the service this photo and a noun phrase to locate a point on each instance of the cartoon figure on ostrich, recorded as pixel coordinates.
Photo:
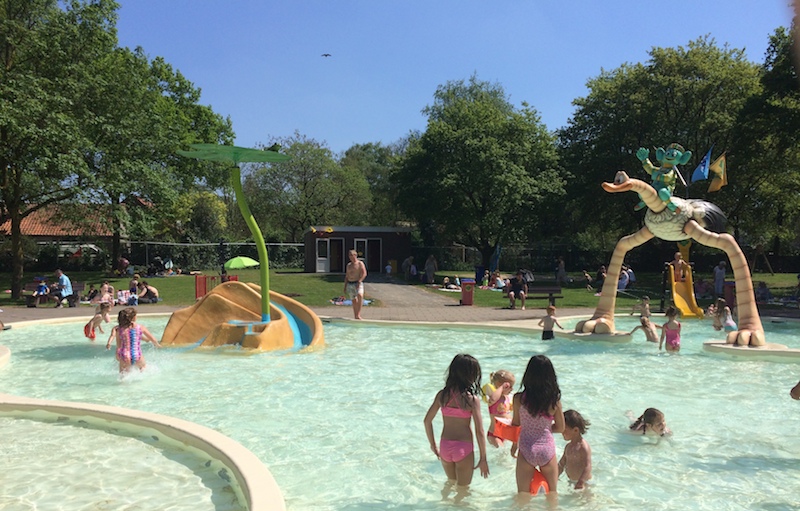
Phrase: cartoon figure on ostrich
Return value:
(694, 219)
(664, 176)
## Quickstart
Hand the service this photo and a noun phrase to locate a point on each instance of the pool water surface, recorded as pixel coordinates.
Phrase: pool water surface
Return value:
(341, 427)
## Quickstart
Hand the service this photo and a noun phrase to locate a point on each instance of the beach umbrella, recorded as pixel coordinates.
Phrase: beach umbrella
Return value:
(239, 262)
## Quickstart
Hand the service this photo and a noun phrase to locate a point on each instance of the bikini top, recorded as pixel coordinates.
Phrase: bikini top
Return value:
(455, 411)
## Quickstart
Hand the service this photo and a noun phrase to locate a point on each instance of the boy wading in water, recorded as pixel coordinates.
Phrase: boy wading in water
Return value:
(354, 277)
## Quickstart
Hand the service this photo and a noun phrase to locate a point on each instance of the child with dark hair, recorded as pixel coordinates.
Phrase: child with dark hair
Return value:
(651, 422)
(671, 331)
(537, 410)
(460, 401)
(129, 335)
(577, 457)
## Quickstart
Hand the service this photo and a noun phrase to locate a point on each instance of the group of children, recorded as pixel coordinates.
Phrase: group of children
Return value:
(534, 414)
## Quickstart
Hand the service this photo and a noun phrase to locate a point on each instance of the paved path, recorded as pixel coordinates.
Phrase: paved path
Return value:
(399, 302)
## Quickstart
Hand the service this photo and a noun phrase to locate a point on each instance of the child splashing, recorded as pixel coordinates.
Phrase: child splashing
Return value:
(537, 410)
(496, 393)
(128, 335)
(459, 401)
(97, 320)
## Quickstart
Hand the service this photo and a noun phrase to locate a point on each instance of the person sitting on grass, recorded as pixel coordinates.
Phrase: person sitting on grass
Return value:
(147, 293)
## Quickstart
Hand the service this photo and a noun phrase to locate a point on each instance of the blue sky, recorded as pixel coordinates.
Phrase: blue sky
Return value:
(260, 62)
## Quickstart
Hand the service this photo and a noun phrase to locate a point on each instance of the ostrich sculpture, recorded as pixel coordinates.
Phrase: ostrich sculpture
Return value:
(696, 219)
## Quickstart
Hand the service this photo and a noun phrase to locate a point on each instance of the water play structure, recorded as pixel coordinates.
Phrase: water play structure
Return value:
(683, 298)
(228, 315)
(694, 219)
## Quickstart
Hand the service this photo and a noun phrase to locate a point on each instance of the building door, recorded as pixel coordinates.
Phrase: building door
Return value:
(374, 255)
(330, 255)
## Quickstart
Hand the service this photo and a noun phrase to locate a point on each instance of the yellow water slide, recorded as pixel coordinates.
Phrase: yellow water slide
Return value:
(683, 295)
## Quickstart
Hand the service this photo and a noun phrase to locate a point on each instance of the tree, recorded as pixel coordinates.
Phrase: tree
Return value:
(377, 163)
(49, 58)
(310, 189)
(690, 95)
(482, 170)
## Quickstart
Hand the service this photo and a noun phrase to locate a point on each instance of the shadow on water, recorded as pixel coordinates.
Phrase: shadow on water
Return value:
(69, 352)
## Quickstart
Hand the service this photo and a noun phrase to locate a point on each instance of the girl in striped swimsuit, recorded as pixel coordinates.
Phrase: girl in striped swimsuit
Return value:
(129, 336)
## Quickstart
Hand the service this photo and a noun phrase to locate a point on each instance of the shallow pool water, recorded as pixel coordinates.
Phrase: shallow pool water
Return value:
(341, 427)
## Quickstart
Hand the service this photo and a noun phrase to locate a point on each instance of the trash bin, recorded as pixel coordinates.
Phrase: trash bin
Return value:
(729, 293)
(479, 273)
(467, 291)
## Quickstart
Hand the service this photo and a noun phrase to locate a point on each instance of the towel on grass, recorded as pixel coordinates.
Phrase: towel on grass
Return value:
(341, 300)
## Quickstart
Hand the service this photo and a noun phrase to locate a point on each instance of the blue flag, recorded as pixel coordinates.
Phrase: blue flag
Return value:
(701, 172)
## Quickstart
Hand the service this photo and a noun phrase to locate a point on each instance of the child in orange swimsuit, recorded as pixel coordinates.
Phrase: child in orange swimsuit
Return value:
(459, 401)
(671, 331)
(537, 410)
(497, 394)
(95, 323)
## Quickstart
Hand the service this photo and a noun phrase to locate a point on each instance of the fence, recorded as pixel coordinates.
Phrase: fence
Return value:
(212, 255)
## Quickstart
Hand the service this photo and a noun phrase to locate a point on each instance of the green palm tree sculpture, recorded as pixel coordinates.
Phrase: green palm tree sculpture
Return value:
(235, 156)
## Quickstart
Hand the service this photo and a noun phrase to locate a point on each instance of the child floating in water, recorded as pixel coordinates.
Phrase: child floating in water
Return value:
(671, 331)
(497, 395)
(548, 322)
(649, 329)
(577, 457)
(95, 323)
(651, 422)
(459, 401)
(129, 336)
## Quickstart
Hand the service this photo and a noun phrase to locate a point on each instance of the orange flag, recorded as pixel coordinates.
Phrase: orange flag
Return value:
(720, 170)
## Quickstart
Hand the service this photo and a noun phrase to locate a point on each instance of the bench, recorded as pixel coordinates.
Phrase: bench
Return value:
(73, 300)
(544, 290)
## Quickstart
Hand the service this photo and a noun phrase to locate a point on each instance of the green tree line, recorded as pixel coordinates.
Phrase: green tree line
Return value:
(86, 122)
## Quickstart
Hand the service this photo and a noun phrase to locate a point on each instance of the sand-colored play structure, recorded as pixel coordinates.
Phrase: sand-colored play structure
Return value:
(231, 315)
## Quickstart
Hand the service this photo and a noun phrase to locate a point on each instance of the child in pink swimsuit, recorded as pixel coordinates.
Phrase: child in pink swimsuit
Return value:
(537, 410)
(129, 335)
(671, 331)
(459, 401)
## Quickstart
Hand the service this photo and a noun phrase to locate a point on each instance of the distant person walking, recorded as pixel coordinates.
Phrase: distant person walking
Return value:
(408, 262)
(719, 278)
(431, 267)
(355, 273)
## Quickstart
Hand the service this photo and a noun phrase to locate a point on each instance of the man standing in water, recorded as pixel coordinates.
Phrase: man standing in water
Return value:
(354, 277)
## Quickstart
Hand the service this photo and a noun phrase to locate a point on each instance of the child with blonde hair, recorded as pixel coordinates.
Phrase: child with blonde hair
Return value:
(497, 394)
(459, 402)
(548, 322)
(649, 329)
(577, 457)
(100, 316)
(671, 331)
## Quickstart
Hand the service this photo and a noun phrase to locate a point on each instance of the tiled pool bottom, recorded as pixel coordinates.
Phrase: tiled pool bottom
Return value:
(341, 428)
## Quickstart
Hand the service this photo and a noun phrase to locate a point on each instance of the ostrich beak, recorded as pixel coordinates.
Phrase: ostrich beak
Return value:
(622, 183)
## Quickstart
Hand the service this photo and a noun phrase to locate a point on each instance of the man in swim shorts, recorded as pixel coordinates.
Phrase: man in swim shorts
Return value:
(355, 273)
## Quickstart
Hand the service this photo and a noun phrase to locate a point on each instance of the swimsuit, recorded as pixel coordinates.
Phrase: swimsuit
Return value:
(673, 337)
(453, 451)
(131, 344)
(547, 335)
(500, 407)
(729, 324)
(355, 289)
(536, 442)
(88, 331)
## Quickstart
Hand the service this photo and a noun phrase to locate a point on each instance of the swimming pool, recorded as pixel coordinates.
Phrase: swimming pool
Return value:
(341, 428)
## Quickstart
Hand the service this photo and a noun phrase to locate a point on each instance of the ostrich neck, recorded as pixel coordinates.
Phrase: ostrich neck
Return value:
(648, 195)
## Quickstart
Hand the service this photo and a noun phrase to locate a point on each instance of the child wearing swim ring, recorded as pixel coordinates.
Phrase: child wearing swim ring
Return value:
(497, 395)
(548, 322)
(671, 331)
(577, 457)
(723, 319)
(459, 401)
(651, 422)
(94, 324)
(129, 335)
(537, 410)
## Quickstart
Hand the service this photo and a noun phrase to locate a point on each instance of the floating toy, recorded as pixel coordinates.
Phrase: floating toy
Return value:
(539, 484)
(503, 429)
(487, 389)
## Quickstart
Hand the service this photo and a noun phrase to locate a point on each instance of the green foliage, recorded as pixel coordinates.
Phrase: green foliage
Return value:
(286, 198)
(478, 166)
(378, 164)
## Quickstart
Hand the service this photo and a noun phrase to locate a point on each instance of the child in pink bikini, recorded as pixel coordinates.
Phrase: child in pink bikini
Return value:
(671, 331)
(459, 401)
(497, 395)
(537, 410)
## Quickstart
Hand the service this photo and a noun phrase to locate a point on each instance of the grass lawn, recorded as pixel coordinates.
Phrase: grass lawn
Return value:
(317, 289)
